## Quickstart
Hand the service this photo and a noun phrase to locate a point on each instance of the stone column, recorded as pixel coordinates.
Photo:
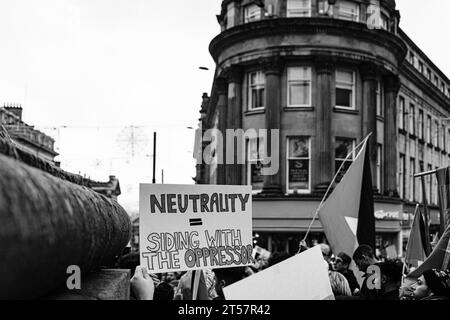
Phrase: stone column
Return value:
(324, 111)
(369, 114)
(234, 76)
(391, 88)
(221, 108)
(273, 69)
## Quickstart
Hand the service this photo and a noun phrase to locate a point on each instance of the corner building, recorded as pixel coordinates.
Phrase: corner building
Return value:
(321, 74)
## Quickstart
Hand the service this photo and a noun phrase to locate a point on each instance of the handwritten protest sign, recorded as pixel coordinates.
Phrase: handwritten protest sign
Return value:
(302, 277)
(189, 227)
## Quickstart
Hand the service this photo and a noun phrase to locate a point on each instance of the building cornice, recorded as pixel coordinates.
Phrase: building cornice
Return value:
(411, 73)
(280, 26)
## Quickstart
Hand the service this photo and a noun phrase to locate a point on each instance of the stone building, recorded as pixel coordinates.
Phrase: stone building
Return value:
(25, 136)
(326, 74)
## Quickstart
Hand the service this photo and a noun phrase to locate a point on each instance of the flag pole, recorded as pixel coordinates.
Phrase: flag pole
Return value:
(330, 186)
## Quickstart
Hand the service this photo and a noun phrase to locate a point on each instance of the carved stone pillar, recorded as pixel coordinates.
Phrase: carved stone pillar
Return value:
(391, 88)
(273, 69)
(369, 113)
(221, 109)
(234, 76)
(324, 111)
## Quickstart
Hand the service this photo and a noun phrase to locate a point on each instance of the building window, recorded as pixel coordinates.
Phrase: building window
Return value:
(443, 138)
(299, 86)
(348, 11)
(428, 180)
(435, 189)
(298, 8)
(428, 74)
(252, 13)
(422, 169)
(299, 164)
(343, 148)
(412, 57)
(436, 81)
(412, 119)
(256, 90)
(429, 129)
(254, 164)
(384, 22)
(436, 140)
(421, 67)
(412, 185)
(380, 103)
(379, 166)
(401, 123)
(345, 89)
(401, 176)
(421, 124)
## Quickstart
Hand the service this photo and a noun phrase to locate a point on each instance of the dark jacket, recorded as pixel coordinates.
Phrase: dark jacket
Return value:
(350, 276)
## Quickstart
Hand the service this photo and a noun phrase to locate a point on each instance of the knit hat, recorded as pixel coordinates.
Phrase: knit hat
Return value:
(438, 282)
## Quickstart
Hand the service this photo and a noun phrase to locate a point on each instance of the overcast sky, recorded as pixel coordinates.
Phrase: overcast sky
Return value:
(85, 71)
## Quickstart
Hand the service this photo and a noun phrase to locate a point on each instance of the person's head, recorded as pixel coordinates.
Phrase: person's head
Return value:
(364, 257)
(390, 275)
(164, 291)
(226, 276)
(170, 276)
(432, 283)
(342, 262)
(326, 251)
(277, 257)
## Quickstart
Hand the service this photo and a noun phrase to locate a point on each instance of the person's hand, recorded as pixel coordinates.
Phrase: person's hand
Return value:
(142, 284)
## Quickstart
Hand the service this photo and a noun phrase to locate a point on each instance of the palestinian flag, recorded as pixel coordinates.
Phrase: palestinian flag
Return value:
(348, 215)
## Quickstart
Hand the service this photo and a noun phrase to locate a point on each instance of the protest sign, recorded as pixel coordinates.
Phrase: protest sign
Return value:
(302, 277)
(190, 227)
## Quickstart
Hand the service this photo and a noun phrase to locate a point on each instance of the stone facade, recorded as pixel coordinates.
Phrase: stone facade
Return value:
(25, 136)
(326, 78)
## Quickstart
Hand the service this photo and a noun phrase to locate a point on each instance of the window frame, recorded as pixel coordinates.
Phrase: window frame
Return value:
(421, 124)
(343, 17)
(251, 18)
(302, 191)
(353, 100)
(257, 86)
(401, 175)
(253, 161)
(290, 14)
(342, 160)
(289, 82)
(380, 101)
(412, 182)
(402, 122)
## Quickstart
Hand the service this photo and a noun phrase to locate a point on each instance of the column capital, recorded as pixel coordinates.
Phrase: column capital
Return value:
(233, 73)
(273, 65)
(221, 85)
(369, 71)
(324, 64)
(392, 83)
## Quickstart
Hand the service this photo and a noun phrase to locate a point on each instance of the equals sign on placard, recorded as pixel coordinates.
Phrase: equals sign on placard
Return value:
(195, 222)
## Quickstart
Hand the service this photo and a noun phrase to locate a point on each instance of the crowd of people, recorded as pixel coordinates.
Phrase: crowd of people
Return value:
(381, 279)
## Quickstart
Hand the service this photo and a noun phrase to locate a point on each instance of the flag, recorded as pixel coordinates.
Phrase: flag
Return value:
(443, 179)
(415, 251)
(426, 219)
(347, 215)
(438, 259)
